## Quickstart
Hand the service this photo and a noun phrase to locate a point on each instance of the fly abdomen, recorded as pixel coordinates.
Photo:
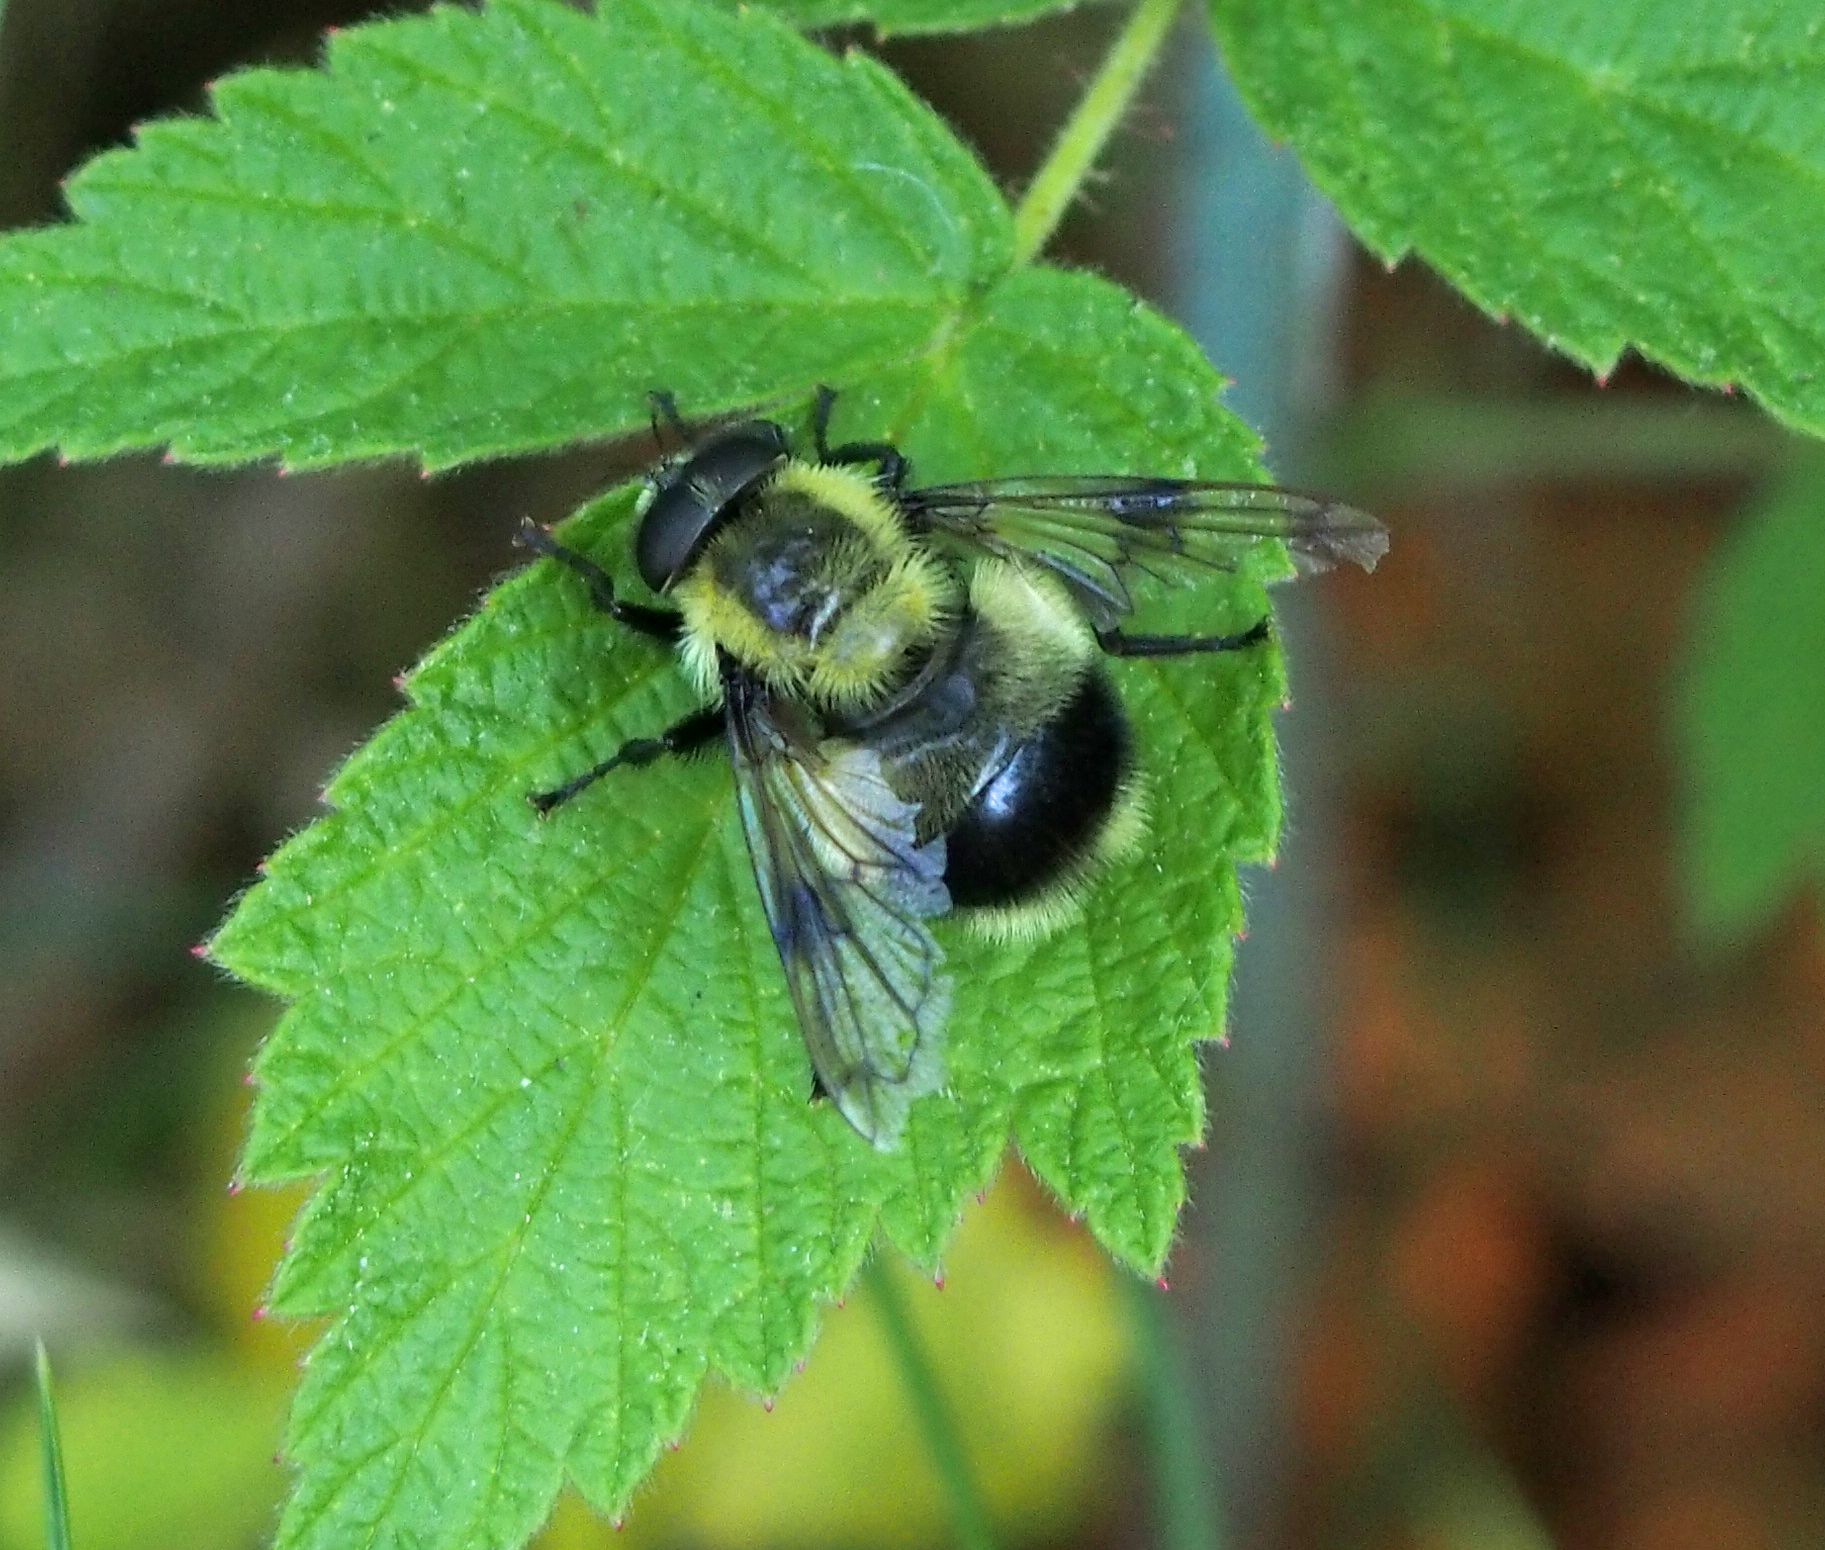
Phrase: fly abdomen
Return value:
(1040, 823)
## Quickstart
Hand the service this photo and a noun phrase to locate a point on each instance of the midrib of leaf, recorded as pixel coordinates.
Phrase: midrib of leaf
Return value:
(743, 1324)
(193, 354)
(486, 1320)
(839, 170)
(563, 137)
(401, 849)
(1717, 161)
(261, 1150)
(1613, 95)
(1520, 235)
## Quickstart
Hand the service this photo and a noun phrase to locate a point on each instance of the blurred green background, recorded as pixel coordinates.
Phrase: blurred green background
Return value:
(1509, 1233)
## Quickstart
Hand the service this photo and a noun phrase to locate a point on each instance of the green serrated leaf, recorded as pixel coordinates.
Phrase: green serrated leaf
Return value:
(490, 232)
(911, 16)
(1641, 174)
(549, 1071)
(1752, 716)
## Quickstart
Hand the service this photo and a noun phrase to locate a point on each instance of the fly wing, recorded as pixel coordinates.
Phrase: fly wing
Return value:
(1097, 533)
(847, 891)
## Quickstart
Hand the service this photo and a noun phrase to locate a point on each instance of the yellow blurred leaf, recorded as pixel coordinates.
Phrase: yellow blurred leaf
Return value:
(1029, 1344)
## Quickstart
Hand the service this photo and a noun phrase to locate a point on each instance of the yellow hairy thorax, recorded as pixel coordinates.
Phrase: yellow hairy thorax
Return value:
(887, 598)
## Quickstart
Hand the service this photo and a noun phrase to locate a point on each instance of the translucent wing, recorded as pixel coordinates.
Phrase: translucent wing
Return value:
(1095, 533)
(847, 891)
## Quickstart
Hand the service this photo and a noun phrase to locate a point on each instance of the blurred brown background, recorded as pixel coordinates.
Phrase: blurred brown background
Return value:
(1556, 1273)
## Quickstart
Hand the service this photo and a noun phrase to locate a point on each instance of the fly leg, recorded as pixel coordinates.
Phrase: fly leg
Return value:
(887, 458)
(1120, 645)
(686, 737)
(659, 623)
(664, 413)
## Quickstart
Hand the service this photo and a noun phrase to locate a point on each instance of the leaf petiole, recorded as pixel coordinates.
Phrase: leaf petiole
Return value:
(1088, 128)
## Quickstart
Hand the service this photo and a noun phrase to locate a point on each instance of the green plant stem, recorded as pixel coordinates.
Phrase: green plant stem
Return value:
(969, 1518)
(56, 1493)
(1185, 1511)
(1088, 129)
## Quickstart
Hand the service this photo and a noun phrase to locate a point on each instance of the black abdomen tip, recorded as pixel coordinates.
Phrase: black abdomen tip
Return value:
(1036, 825)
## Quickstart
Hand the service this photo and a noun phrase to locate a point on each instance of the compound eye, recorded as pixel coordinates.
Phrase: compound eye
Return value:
(686, 503)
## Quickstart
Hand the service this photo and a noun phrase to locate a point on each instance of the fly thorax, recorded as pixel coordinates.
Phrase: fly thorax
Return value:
(813, 602)
(877, 640)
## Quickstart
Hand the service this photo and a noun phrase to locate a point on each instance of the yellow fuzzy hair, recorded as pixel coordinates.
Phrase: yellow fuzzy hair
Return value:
(1031, 606)
(1034, 608)
(1063, 900)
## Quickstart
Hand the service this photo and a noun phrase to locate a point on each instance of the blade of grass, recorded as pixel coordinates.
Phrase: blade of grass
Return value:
(56, 1494)
(1185, 1507)
(969, 1518)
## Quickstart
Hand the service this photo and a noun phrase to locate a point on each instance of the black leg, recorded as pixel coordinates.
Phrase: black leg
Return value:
(689, 734)
(1120, 645)
(822, 402)
(887, 458)
(660, 623)
(664, 411)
